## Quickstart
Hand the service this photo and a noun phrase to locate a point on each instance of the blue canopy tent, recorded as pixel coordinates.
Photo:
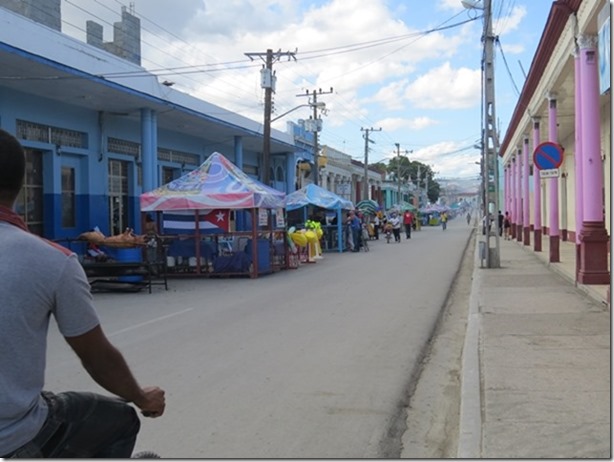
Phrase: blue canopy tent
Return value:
(319, 197)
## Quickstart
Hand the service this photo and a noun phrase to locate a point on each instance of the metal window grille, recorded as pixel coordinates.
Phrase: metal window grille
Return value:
(32, 131)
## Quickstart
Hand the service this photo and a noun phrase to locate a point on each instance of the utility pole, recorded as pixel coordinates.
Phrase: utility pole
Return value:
(316, 126)
(419, 186)
(398, 173)
(490, 142)
(267, 81)
(365, 186)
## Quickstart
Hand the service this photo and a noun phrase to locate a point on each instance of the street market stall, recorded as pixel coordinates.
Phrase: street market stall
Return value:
(314, 198)
(218, 221)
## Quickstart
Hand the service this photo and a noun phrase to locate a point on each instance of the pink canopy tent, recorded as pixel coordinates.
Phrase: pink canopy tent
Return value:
(216, 184)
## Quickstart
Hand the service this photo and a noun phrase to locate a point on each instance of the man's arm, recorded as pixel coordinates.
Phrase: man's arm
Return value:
(107, 366)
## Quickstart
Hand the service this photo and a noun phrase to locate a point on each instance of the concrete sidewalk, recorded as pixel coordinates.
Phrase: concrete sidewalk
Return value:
(536, 361)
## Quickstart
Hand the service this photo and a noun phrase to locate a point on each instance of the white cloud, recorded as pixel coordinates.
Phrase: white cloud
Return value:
(392, 124)
(390, 96)
(506, 24)
(450, 159)
(446, 88)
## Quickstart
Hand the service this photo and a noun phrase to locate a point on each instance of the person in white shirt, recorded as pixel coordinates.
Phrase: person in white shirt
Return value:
(395, 221)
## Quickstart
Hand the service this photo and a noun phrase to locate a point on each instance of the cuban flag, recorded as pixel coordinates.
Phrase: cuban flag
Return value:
(184, 222)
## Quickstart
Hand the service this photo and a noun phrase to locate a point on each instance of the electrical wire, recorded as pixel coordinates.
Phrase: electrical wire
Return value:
(509, 72)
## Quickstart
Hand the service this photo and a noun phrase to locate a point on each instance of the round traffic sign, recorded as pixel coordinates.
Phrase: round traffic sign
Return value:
(548, 155)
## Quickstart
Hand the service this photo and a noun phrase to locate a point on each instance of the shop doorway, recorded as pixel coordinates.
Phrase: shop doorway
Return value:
(29, 203)
(118, 196)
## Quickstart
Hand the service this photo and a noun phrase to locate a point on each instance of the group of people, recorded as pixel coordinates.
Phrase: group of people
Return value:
(361, 226)
(504, 224)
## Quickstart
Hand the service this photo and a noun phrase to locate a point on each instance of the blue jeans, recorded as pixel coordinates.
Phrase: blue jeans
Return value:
(83, 425)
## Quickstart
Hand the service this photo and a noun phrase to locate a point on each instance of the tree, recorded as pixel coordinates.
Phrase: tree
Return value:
(401, 166)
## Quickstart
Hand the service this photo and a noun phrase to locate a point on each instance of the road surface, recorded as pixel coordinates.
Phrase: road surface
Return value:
(316, 362)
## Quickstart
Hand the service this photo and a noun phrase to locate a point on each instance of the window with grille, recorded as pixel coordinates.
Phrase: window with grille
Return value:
(169, 155)
(129, 148)
(32, 131)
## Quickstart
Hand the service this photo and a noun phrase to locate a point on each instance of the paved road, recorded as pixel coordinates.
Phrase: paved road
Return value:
(308, 363)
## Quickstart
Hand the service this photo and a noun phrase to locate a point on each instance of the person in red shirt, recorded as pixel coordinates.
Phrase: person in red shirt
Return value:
(408, 221)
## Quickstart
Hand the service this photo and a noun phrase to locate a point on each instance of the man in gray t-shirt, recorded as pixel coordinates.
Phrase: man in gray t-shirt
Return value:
(39, 279)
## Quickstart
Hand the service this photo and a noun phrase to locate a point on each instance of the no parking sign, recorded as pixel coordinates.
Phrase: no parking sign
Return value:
(547, 158)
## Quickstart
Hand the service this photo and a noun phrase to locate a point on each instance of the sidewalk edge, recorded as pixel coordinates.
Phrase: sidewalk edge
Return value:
(470, 421)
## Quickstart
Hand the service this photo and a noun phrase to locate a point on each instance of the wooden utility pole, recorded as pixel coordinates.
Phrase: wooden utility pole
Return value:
(398, 173)
(365, 187)
(267, 81)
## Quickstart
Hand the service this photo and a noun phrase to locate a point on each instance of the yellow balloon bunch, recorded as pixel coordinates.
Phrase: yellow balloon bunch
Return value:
(316, 226)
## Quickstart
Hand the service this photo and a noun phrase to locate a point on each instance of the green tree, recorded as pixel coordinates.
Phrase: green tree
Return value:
(401, 167)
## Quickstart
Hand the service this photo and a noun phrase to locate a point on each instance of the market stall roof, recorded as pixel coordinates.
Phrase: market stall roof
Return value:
(216, 184)
(368, 206)
(405, 206)
(315, 195)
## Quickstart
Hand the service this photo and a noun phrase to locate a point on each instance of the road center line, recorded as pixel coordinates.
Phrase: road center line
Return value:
(151, 321)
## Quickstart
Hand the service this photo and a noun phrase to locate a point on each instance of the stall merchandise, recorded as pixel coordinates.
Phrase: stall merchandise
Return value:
(316, 196)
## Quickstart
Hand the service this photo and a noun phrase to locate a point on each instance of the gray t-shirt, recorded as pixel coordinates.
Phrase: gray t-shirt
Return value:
(36, 281)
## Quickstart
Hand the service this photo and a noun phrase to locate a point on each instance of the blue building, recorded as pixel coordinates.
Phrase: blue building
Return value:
(99, 130)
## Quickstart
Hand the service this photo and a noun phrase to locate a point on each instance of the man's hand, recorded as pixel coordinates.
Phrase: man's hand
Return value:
(152, 403)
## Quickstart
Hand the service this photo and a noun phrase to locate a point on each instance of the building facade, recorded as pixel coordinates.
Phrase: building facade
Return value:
(565, 101)
(94, 141)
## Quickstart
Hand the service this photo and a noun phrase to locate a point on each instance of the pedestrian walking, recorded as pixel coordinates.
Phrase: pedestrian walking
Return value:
(408, 220)
(444, 220)
(500, 221)
(507, 225)
(468, 218)
(395, 221)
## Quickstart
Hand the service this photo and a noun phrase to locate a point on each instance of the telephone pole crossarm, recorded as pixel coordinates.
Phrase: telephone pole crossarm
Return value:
(267, 81)
(316, 127)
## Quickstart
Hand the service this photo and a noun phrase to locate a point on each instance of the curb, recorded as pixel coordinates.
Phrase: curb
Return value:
(470, 420)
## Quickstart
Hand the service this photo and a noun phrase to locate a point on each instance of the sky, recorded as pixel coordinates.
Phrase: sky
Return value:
(411, 68)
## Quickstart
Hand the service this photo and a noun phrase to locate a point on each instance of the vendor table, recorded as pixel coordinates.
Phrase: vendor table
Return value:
(115, 274)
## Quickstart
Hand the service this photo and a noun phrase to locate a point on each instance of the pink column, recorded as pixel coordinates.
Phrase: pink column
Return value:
(513, 198)
(593, 236)
(508, 200)
(505, 190)
(525, 187)
(578, 157)
(553, 212)
(537, 194)
(519, 217)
